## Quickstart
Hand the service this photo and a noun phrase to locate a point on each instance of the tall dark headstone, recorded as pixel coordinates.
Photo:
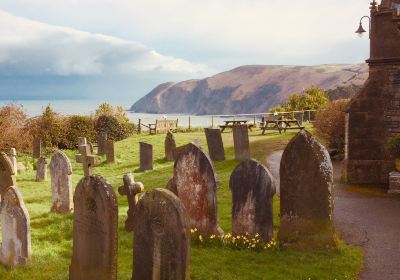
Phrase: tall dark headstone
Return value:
(252, 189)
(241, 142)
(162, 238)
(37, 148)
(215, 144)
(306, 182)
(146, 156)
(196, 185)
(101, 143)
(61, 183)
(95, 231)
(170, 146)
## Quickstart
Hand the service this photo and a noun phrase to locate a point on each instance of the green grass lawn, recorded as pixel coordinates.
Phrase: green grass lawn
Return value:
(52, 234)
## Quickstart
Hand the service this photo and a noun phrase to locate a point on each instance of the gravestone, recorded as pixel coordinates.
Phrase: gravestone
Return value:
(82, 141)
(61, 183)
(101, 142)
(215, 144)
(196, 185)
(197, 142)
(7, 175)
(87, 159)
(253, 189)
(95, 231)
(110, 151)
(394, 183)
(306, 184)
(15, 247)
(170, 146)
(131, 189)
(146, 156)
(37, 148)
(41, 169)
(13, 158)
(162, 238)
(241, 142)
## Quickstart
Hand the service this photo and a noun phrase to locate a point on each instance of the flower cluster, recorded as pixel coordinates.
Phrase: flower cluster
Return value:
(238, 242)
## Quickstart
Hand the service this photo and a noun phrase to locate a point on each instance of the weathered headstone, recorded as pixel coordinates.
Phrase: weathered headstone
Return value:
(306, 182)
(101, 142)
(61, 183)
(110, 151)
(241, 142)
(162, 238)
(170, 146)
(146, 156)
(37, 148)
(131, 189)
(7, 175)
(13, 158)
(252, 189)
(82, 141)
(95, 231)
(15, 247)
(215, 144)
(394, 183)
(41, 169)
(196, 186)
(87, 159)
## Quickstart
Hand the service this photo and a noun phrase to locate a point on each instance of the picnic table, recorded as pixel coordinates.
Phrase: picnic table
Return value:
(231, 123)
(279, 124)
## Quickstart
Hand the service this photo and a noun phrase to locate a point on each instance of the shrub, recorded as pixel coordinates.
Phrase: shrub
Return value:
(75, 127)
(330, 124)
(393, 146)
(13, 128)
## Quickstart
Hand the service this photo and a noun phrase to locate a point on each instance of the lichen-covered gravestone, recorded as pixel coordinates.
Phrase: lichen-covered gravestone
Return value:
(15, 247)
(170, 146)
(13, 158)
(41, 169)
(162, 238)
(196, 186)
(306, 181)
(146, 156)
(37, 148)
(61, 183)
(215, 144)
(101, 142)
(7, 174)
(110, 151)
(95, 231)
(241, 142)
(252, 189)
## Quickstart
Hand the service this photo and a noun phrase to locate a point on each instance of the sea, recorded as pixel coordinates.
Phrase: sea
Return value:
(87, 107)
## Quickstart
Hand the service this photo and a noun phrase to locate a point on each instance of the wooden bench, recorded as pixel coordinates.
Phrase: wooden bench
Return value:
(279, 123)
(162, 126)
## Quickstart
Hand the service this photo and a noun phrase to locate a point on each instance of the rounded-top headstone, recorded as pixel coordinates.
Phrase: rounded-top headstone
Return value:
(306, 181)
(196, 186)
(162, 237)
(170, 146)
(61, 183)
(252, 189)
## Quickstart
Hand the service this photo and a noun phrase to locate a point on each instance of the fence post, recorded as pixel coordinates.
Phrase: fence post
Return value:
(212, 121)
(190, 124)
(254, 120)
(139, 129)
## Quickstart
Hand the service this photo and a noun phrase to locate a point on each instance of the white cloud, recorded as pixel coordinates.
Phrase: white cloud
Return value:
(31, 48)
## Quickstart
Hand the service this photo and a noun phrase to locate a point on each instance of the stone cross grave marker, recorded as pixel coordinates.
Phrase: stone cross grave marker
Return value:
(87, 159)
(306, 182)
(15, 249)
(196, 185)
(101, 142)
(110, 151)
(131, 189)
(162, 237)
(146, 156)
(170, 146)
(41, 169)
(37, 148)
(95, 231)
(61, 183)
(252, 189)
(215, 144)
(7, 174)
(241, 142)
(13, 158)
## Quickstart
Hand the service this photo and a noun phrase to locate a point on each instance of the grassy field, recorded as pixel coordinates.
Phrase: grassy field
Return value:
(52, 234)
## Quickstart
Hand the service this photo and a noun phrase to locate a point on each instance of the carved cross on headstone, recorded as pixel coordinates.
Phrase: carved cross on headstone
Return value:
(131, 189)
(87, 159)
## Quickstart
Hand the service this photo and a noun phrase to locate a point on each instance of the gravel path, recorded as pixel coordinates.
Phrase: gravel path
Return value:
(369, 221)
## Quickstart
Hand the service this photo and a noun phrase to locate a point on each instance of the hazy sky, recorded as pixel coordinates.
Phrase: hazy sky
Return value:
(137, 44)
